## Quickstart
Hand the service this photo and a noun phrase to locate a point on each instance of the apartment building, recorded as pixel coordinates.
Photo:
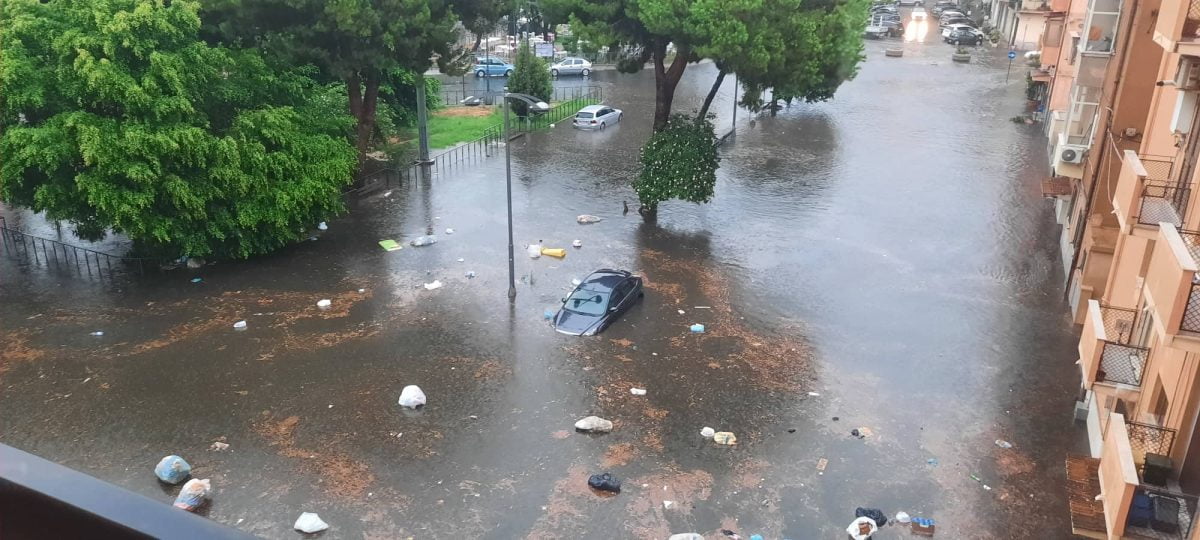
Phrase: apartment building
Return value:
(1020, 22)
(1122, 86)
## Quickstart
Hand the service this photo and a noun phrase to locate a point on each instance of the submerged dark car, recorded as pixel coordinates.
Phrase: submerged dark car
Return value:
(597, 302)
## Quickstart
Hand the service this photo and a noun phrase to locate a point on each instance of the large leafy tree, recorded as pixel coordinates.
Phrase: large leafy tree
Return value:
(530, 76)
(356, 42)
(757, 37)
(115, 116)
(481, 17)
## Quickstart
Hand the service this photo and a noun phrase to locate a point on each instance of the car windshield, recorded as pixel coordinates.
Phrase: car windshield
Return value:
(587, 302)
(584, 115)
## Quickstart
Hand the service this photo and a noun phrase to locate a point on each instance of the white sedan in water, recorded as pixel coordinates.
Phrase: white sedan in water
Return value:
(596, 117)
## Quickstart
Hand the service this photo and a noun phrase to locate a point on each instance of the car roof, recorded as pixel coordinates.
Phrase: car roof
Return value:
(605, 278)
(594, 108)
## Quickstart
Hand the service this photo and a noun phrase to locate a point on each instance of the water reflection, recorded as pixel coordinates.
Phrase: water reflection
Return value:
(916, 30)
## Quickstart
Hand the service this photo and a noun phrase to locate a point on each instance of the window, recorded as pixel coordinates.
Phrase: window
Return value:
(1074, 48)
(1161, 405)
(1052, 36)
(1100, 29)
(1081, 122)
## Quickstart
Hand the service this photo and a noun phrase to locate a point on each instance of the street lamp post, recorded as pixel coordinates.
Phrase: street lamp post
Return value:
(535, 105)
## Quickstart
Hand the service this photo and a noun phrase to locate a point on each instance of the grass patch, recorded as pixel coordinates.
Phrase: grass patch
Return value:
(449, 129)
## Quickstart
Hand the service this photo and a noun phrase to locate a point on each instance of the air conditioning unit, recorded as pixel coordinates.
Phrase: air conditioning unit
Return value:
(1072, 153)
(1188, 76)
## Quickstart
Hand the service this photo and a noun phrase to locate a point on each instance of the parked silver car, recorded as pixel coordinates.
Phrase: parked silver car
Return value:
(596, 117)
(571, 66)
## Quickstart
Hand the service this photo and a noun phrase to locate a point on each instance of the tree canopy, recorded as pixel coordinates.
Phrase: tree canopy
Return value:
(530, 76)
(356, 42)
(114, 115)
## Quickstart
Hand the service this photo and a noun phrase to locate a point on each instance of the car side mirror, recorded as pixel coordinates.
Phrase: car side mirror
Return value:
(612, 309)
(564, 300)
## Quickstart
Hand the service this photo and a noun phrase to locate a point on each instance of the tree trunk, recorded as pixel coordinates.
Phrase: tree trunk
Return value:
(665, 81)
(478, 40)
(363, 101)
(712, 93)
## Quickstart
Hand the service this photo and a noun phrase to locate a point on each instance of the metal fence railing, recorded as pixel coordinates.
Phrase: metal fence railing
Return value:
(1158, 167)
(1163, 202)
(1161, 514)
(1118, 323)
(61, 255)
(453, 94)
(1122, 364)
(1191, 23)
(1148, 439)
(1191, 312)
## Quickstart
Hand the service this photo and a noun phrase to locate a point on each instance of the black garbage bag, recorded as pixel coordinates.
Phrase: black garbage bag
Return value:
(873, 513)
(605, 482)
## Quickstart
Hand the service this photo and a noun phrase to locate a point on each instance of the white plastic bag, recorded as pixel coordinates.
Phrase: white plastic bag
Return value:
(594, 424)
(309, 522)
(193, 494)
(534, 250)
(855, 531)
(412, 397)
(427, 240)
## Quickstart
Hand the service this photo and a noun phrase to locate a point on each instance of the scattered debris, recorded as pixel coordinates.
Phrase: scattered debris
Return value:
(197, 280)
(577, 243)
(862, 528)
(730, 534)
(195, 262)
(697, 328)
(412, 397)
(922, 526)
(856, 433)
(865, 432)
(310, 522)
(686, 536)
(387, 193)
(703, 307)
(322, 226)
(725, 437)
(814, 394)
(193, 494)
(323, 303)
(835, 419)
(435, 285)
(360, 291)
(557, 253)
(637, 391)
(172, 469)
(588, 218)
(1003, 443)
(390, 245)
(460, 259)
(875, 514)
(902, 517)
(219, 446)
(470, 274)
(667, 505)
(932, 461)
(681, 312)
(605, 482)
(576, 282)
(449, 231)
(708, 432)
(97, 333)
(534, 250)
(821, 464)
(594, 424)
(791, 430)
(427, 240)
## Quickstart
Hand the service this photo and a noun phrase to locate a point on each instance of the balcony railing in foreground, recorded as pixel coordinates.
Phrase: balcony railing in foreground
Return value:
(41, 499)
(1163, 202)
(1122, 364)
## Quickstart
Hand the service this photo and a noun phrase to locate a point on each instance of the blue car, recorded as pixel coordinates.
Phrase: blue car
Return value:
(491, 67)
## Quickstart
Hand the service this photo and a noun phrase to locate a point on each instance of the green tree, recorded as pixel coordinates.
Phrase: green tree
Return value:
(356, 42)
(115, 116)
(679, 162)
(530, 76)
(481, 17)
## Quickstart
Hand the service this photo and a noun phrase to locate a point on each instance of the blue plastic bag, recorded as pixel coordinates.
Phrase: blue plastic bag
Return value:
(193, 494)
(172, 469)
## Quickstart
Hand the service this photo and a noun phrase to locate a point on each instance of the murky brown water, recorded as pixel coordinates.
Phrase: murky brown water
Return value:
(888, 251)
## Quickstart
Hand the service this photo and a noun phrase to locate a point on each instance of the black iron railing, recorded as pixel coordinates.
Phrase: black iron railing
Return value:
(40, 499)
(1191, 312)
(1191, 23)
(1122, 364)
(1161, 514)
(1164, 202)
(53, 253)
(1118, 323)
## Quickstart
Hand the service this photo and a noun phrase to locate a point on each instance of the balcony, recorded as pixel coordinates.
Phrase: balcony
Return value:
(1034, 6)
(1169, 287)
(1177, 28)
(1105, 354)
(1146, 195)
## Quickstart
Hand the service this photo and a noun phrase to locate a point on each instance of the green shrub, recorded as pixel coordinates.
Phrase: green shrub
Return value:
(679, 162)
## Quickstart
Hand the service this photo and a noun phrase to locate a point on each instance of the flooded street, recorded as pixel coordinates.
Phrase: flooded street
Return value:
(881, 261)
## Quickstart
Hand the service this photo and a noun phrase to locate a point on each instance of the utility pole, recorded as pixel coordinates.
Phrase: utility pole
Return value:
(422, 122)
(733, 129)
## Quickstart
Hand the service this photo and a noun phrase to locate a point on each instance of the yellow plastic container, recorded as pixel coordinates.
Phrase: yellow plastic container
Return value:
(554, 252)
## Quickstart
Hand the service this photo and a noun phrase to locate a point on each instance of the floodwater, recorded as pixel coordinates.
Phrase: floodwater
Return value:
(881, 261)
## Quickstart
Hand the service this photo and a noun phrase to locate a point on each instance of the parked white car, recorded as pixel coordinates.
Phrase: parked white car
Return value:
(571, 66)
(596, 117)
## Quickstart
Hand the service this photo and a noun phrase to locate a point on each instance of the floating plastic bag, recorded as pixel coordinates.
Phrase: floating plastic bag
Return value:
(172, 469)
(725, 437)
(323, 303)
(534, 251)
(426, 240)
(309, 522)
(435, 285)
(903, 517)
(588, 218)
(594, 424)
(874, 513)
(605, 482)
(412, 397)
(697, 328)
(193, 494)
(862, 528)
(708, 432)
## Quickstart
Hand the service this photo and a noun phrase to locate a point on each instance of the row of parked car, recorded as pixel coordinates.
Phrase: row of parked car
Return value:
(955, 27)
(495, 67)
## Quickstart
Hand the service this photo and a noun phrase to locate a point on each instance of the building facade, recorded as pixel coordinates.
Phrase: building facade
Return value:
(1122, 82)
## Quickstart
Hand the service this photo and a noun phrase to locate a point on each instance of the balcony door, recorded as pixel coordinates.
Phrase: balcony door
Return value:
(1192, 146)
